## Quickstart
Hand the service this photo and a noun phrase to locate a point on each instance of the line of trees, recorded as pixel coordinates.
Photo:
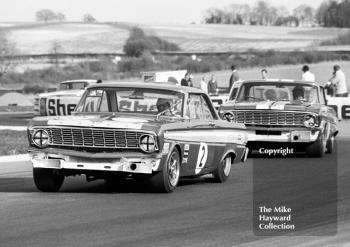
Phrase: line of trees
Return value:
(47, 15)
(334, 14)
(331, 13)
(261, 13)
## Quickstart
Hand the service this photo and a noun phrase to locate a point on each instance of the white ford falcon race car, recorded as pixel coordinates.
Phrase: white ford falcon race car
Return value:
(63, 101)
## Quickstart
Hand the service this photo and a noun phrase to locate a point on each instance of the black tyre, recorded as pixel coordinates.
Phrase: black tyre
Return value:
(330, 145)
(222, 172)
(317, 148)
(48, 180)
(167, 179)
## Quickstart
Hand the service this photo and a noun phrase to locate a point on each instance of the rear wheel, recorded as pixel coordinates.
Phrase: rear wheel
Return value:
(48, 180)
(167, 179)
(222, 172)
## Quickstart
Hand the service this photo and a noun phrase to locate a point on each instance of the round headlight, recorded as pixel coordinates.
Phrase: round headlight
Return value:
(40, 138)
(147, 143)
(309, 121)
(229, 117)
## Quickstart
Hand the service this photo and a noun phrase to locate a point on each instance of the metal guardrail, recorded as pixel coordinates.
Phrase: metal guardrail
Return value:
(345, 49)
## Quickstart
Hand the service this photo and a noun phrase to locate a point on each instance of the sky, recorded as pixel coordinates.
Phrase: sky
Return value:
(160, 11)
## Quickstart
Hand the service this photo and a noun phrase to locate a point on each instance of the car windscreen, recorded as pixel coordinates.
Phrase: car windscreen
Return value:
(132, 100)
(277, 91)
(72, 85)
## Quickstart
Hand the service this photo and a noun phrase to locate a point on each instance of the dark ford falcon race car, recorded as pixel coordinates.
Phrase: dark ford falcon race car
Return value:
(283, 112)
(124, 130)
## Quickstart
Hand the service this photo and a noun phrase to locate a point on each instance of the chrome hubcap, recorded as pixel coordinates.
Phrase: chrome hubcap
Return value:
(227, 166)
(173, 171)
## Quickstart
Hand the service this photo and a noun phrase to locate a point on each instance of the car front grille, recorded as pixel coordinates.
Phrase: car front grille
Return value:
(271, 118)
(93, 138)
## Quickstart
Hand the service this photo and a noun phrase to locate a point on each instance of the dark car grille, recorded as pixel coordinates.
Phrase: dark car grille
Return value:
(274, 118)
(93, 138)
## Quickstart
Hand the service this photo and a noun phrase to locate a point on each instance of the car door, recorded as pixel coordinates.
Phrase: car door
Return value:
(202, 142)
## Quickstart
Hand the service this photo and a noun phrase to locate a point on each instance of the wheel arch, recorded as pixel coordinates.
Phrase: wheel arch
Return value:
(177, 146)
(230, 153)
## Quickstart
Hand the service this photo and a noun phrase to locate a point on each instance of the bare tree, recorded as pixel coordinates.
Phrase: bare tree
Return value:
(45, 15)
(305, 14)
(237, 14)
(60, 17)
(282, 11)
(88, 18)
(7, 51)
(56, 49)
(261, 12)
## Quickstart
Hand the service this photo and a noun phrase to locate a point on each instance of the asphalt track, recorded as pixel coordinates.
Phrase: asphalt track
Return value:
(199, 213)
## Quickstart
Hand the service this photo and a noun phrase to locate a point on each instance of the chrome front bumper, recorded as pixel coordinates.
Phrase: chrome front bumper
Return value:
(292, 136)
(130, 165)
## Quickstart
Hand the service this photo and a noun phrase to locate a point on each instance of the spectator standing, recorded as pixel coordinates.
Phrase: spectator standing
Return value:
(234, 76)
(204, 85)
(264, 74)
(339, 82)
(187, 82)
(307, 75)
(213, 86)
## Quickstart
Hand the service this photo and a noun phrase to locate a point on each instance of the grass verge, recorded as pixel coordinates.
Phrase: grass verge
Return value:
(13, 142)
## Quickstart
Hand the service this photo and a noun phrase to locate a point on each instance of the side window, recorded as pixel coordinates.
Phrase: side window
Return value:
(194, 107)
(206, 110)
(93, 100)
(104, 103)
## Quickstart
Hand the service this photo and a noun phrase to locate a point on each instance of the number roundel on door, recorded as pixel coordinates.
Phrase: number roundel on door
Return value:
(202, 157)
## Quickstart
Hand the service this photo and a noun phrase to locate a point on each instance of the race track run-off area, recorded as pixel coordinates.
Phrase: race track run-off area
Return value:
(198, 213)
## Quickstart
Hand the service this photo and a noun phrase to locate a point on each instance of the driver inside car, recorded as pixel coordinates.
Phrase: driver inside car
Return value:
(298, 93)
(163, 105)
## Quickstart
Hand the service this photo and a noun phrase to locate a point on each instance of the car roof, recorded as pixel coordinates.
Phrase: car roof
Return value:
(155, 85)
(283, 81)
(80, 80)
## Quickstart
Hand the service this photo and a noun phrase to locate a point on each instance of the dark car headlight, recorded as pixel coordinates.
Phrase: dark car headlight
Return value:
(40, 138)
(309, 121)
(148, 143)
(229, 116)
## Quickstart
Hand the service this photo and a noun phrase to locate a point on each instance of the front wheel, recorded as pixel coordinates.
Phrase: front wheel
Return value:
(317, 148)
(330, 145)
(48, 180)
(222, 172)
(167, 179)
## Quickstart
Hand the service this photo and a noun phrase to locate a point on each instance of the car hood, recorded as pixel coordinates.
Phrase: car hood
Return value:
(119, 121)
(77, 93)
(274, 105)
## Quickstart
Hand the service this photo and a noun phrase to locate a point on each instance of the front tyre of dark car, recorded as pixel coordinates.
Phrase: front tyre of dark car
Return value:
(330, 145)
(48, 180)
(167, 179)
(222, 172)
(317, 148)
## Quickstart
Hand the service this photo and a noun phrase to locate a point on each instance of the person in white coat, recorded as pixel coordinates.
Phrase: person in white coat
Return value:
(339, 81)
(204, 85)
(307, 75)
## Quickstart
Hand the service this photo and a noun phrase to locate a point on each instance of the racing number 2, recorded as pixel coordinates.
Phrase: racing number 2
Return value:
(202, 157)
